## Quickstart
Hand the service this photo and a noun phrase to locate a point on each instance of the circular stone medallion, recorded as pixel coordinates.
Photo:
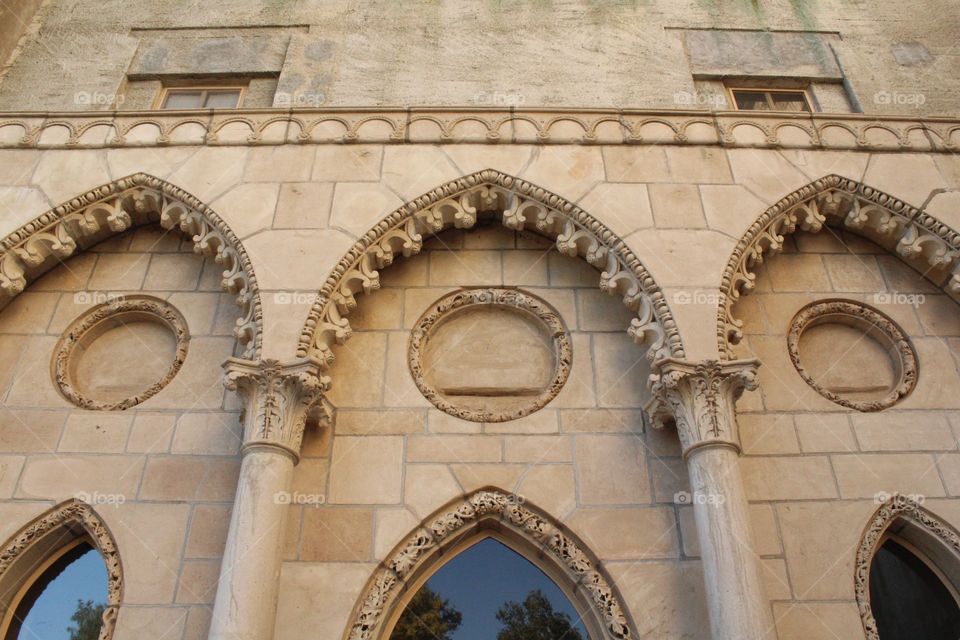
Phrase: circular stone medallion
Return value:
(120, 353)
(490, 355)
(852, 354)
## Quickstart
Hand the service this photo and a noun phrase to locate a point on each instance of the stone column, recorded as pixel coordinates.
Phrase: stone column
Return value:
(278, 400)
(701, 399)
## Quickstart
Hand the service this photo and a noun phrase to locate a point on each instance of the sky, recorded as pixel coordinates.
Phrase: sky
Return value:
(84, 579)
(482, 578)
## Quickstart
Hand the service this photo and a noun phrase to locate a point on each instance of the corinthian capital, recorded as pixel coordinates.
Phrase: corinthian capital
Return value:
(278, 400)
(701, 398)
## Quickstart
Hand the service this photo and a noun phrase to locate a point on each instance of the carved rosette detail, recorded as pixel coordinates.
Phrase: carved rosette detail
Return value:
(520, 206)
(896, 507)
(385, 586)
(74, 513)
(920, 239)
(123, 306)
(509, 298)
(278, 400)
(54, 236)
(701, 398)
(897, 345)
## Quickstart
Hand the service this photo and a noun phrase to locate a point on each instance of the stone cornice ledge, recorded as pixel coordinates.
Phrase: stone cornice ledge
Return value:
(477, 125)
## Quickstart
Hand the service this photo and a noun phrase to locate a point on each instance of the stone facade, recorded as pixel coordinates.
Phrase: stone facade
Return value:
(676, 474)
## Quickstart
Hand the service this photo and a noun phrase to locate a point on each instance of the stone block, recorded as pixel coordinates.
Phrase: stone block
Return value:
(866, 475)
(336, 535)
(198, 582)
(350, 163)
(282, 163)
(677, 206)
(550, 487)
(903, 431)
(303, 205)
(454, 448)
(627, 534)
(611, 469)
(208, 531)
(195, 478)
(783, 478)
(366, 470)
(95, 432)
(428, 487)
(824, 432)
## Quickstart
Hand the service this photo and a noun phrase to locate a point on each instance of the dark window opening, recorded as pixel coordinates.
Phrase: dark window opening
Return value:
(763, 100)
(908, 599)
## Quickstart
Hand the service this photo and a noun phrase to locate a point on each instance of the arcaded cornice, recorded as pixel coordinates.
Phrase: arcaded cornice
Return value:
(504, 126)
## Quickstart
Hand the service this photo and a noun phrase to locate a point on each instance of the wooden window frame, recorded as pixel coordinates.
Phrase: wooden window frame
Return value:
(768, 91)
(204, 89)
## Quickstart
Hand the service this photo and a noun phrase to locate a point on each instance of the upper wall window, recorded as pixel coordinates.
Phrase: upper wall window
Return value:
(221, 97)
(770, 100)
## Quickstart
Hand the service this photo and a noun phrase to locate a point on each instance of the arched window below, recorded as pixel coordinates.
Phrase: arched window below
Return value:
(491, 592)
(65, 599)
(910, 597)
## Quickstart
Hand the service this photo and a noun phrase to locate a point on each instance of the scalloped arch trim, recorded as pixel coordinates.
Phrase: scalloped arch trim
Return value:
(113, 208)
(520, 206)
(917, 237)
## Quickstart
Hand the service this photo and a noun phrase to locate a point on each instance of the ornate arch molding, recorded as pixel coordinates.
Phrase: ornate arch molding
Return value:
(902, 510)
(520, 206)
(927, 244)
(37, 540)
(113, 208)
(458, 520)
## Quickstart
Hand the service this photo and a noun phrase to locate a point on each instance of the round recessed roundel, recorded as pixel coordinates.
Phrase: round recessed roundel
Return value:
(490, 355)
(120, 353)
(852, 354)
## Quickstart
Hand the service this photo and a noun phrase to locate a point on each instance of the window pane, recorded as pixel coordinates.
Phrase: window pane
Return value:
(908, 599)
(223, 99)
(72, 593)
(783, 101)
(487, 588)
(183, 100)
(751, 100)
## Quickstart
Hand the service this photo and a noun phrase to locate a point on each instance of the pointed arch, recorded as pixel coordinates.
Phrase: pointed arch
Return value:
(113, 208)
(520, 206)
(43, 537)
(920, 239)
(925, 530)
(490, 512)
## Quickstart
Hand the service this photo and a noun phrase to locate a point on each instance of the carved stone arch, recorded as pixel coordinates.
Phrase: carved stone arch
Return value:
(520, 206)
(44, 536)
(524, 528)
(113, 208)
(925, 531)
(920, 239)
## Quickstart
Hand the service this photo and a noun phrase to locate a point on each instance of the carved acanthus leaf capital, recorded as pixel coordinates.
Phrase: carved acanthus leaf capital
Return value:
(701, 398)
(278, 400)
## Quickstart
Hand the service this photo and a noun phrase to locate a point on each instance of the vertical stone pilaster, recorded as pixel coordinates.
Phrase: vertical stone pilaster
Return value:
(701, 398)
(278, 399)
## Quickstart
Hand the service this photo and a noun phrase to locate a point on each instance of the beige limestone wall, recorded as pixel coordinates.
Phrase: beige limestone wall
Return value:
(162, 474)
(816, 470)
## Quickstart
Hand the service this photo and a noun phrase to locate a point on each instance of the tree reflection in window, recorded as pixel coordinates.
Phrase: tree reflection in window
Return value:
(65, 600)
(489, 589)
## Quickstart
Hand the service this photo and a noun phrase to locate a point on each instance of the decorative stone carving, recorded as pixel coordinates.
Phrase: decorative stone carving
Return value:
(896, 507)
(875, 326)
(278, 400)
(496, 396)
(450, 525)
(701, 398)
(917, 237)
(437, 125)
(81, 334)
(66, 516)
(54, 236)
(520, 206)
